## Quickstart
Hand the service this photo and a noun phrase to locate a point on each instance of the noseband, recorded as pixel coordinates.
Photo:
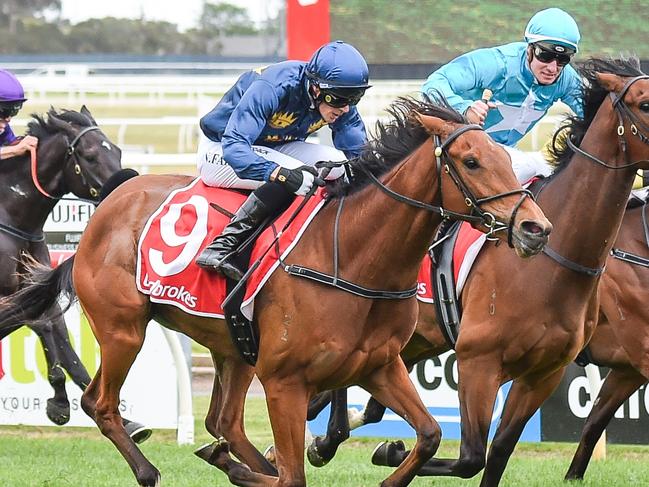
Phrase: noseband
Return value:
(477, 215)
(70, 152)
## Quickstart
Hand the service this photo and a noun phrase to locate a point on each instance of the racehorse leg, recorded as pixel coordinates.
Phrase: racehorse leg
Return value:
(522, 401)
(287, 401)
(323, 448)
(391, 386)
(478, 387)
(225, 420)
(58, 406)
(616, 389)
(72, 364)
(119, 345)
(317, 404)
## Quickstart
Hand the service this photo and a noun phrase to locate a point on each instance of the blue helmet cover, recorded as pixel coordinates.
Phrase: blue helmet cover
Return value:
(338, 65)
(555, 27)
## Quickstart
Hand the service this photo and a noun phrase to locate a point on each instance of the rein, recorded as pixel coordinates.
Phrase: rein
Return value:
(622, 111)
(16, 232)
(71, 151)
(628, 256)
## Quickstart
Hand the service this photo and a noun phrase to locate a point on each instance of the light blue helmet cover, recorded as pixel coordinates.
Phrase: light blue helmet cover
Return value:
(553, 26)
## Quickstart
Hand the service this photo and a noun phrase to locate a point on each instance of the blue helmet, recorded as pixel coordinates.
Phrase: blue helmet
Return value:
(10, 88)
(338, 65)
(554, 27)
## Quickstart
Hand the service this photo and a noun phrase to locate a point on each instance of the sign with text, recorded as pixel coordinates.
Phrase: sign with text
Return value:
(149, 394)
(436, 382)
(564, 413)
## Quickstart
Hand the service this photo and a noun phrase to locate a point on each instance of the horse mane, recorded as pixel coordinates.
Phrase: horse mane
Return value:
(41, 128)
(393, 141)
(593, 95)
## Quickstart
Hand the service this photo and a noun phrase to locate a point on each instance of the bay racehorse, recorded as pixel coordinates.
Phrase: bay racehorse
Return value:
(312, 337)
(621, 339)
(73, 156)
(526, 320)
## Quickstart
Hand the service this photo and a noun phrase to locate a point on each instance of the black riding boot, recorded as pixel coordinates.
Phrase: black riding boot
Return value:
(265, 201)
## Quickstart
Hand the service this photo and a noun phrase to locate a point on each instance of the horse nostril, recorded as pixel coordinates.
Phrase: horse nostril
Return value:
(534, 229)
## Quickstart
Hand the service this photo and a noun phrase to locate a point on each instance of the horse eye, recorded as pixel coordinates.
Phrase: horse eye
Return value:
(644, 106)
(471, 163)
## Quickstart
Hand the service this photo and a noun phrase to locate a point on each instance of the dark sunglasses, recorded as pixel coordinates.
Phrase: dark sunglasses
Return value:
(337, 101)
(12, 110)
(547, 57)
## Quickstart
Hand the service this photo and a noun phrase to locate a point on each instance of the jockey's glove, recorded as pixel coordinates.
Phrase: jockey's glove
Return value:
(299, 180)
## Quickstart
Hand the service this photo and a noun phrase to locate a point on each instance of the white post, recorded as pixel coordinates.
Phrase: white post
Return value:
(185, 435)
(595, 383)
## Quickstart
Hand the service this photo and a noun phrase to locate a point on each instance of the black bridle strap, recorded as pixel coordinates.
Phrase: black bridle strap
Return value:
(621, 109)
(629, 257)
(625, 256)
(16, 232)
(573, 266)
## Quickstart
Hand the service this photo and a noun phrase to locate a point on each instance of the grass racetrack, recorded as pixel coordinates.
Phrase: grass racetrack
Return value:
(80, 457)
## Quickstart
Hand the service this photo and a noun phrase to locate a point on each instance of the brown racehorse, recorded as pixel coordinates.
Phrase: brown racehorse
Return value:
(621, 339)
(312, 337)
(529, 324)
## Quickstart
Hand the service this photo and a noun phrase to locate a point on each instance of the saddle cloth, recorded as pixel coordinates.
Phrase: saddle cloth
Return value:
(467, 246)
(183, 225)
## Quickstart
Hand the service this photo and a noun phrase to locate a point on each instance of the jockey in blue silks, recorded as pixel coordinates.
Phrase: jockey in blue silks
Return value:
(526, 79)
(255, 138)
(12, 97)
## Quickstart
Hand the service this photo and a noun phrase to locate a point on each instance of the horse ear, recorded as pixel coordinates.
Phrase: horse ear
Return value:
(610, 82)
(61, 125)
(433, 125)
(84, 111)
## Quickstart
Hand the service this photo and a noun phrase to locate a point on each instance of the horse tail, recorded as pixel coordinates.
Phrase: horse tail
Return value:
(39, 295)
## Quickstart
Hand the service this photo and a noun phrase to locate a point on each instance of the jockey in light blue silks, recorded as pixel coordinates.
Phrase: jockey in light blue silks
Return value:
(526, 79)
(255, 138)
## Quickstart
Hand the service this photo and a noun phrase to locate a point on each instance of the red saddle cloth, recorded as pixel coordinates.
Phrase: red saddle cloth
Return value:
(467, 246)
(183, 226)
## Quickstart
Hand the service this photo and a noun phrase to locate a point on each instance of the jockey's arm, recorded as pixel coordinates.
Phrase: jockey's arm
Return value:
(22, 146)
(247, 121)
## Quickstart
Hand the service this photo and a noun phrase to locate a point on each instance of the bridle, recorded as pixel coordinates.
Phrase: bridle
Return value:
(71, 153)
(623, 112)
(447, 164)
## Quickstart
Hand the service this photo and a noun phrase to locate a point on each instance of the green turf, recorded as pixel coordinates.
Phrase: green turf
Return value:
(59, 456)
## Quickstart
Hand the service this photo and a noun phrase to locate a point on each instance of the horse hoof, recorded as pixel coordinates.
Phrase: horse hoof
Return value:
(56, 413)
(210, 451)
(384, 454)
(138, 432)
(149, 479)
(314, 456)
(269, 454)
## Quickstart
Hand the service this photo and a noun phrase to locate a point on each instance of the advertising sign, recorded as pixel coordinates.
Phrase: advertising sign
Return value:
(149, 394)
(436, 382)
(307, 27)
(564, 413)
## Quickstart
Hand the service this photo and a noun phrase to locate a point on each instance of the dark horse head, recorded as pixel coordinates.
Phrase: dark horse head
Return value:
(74, 155)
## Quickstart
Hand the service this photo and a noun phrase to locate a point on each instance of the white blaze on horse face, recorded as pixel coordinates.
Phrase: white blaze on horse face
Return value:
(192, 242)
(106, 145)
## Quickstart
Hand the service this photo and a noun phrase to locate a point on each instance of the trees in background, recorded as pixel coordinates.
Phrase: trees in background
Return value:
(34, 26)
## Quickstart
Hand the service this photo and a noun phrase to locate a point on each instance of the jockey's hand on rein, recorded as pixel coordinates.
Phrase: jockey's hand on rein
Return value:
(299, 180)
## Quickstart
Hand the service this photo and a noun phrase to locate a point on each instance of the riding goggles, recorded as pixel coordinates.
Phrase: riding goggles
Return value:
(341, 97)
(8, 110)
(546, 56)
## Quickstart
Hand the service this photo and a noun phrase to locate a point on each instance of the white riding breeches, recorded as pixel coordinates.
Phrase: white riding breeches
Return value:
(214, 171)
(526, 165)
